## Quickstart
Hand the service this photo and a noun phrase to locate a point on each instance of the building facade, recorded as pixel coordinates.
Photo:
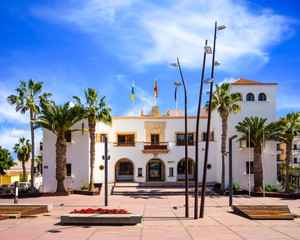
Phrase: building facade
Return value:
(150, 148)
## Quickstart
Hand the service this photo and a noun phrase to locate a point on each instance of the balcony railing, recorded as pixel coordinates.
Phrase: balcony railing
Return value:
(155, 145)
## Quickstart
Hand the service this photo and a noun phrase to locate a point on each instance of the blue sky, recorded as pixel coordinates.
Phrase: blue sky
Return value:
(72, 45)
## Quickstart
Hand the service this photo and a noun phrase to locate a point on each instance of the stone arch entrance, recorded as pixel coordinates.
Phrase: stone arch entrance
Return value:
(181, 169)
(155, 171)
(124, 170)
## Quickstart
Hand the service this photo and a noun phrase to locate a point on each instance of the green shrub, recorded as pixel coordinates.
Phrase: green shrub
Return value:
(271, 188)
(85, 185)
(236, 187)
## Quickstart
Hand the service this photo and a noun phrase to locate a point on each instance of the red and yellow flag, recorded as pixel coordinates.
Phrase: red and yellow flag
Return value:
(155, 89)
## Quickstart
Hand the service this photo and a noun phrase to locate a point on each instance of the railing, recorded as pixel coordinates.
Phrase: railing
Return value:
(155, 145)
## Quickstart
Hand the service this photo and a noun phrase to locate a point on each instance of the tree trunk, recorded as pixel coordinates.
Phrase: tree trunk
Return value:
(224, 115)
(24, 171)
(61, 169)
(288, 160)
(257, 168)
(92, 129)
(32, 152)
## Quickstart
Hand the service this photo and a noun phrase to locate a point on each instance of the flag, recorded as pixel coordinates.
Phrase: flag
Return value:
(132, 91)
(155, 89)
(175, 93)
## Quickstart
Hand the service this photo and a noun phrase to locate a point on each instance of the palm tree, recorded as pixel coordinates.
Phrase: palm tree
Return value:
(225, 103)
(291, 125)
(94, 111)
(23, 149)
(259, 132)
(59, 120)
(29, 97)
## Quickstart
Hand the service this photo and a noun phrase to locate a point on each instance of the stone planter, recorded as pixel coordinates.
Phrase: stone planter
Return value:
(101, 219)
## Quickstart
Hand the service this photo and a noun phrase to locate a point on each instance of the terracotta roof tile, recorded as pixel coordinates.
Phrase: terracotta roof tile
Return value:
(242, 81)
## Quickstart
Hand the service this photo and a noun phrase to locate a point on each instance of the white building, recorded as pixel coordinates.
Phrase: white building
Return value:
(151, 147)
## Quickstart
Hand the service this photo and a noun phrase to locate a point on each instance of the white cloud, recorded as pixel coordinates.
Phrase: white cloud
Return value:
(146, 33)
(10, 136)
(288, 102)
(7, 111)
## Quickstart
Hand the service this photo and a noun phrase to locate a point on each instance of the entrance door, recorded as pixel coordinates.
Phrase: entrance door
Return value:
(154, 171)
(154, 139)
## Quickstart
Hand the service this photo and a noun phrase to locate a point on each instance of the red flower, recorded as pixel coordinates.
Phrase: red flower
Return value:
(99, 211)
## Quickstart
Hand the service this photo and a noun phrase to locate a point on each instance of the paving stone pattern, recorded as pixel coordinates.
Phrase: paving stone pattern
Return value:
(163, 218)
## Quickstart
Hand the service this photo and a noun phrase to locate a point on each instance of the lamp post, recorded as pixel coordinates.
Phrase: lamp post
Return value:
(207, 50)
(211, 80)
(230, 169)
(177, 84)
(186, 142)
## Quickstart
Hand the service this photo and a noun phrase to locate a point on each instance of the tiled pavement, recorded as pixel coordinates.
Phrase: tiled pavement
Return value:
(163, 218)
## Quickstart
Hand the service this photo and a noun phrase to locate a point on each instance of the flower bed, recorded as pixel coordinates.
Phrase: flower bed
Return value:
(99, 211)
(101, 216)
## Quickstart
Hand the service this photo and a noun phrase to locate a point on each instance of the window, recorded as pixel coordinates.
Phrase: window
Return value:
(247, 167)
(262, 97)
(41, 146)
(295, 147)
(68, 136)
(140, 172)
(171, 172)
(126, 140)
(154, 139)
(181, 139)
(278, 147)
(245, 144)
(126, 168)
(69, 169)
(100, 137)
(295, 160)
(181, 167)
(250, 97)
(204, 136)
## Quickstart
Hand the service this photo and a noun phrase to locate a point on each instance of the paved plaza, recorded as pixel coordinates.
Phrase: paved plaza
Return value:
(163, 218)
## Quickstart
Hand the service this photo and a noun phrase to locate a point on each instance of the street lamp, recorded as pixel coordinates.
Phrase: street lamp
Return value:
(186, 143)
(177, 84)
(230, 169)
(208, 122)
(207, 50)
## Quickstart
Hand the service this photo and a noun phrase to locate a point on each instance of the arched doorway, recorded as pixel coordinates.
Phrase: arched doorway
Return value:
(155, 171)
(124, 170)
(181, 169)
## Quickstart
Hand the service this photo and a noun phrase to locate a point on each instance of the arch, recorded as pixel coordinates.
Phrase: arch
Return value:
(262, 97)
(155, 170)
(250, 97)
(181, 169)
(124, 170)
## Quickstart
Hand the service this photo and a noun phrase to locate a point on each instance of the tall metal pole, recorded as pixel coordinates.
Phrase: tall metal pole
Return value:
(208, 130)
(249, 166)
(186, 147)
(105, 168)
(230, 169)
(197, 140)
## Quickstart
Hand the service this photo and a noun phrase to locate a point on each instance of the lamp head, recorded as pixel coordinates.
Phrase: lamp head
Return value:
(176, 83)
(221, 27)
(207, 50)
(174, 64)
(71, 104)
(209, 80)
(217, 63)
